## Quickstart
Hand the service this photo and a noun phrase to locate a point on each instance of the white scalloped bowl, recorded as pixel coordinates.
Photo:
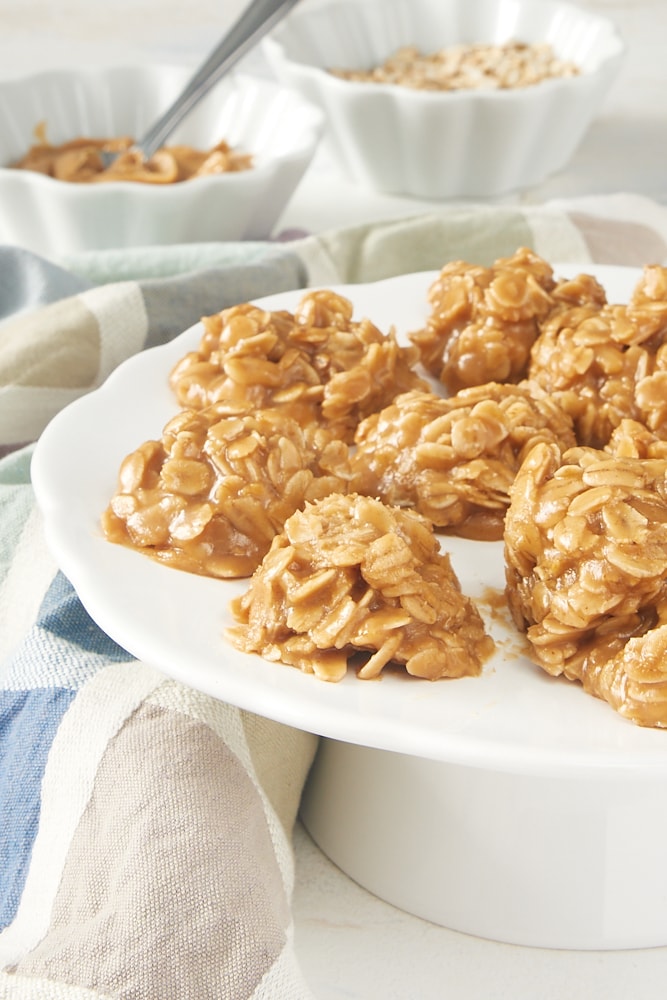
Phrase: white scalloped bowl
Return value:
(54, 217)
(454, 144)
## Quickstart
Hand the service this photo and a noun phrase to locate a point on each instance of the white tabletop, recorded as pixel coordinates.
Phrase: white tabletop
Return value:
(352, 945)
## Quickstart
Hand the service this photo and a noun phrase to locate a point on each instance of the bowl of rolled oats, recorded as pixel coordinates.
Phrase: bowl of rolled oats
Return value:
(449, 98)
(226, 173)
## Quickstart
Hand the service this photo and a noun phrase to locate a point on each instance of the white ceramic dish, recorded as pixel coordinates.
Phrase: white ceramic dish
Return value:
(55, 217)
(539, 777)
(448, 145)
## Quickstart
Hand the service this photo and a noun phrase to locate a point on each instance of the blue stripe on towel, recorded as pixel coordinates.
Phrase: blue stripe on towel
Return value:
(29, 721)
(62, 651)
(63, 615)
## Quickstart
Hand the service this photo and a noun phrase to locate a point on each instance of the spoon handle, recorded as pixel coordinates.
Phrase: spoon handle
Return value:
(256, 21)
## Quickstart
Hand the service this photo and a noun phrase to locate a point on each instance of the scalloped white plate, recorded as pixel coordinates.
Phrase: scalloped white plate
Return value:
(513, 718)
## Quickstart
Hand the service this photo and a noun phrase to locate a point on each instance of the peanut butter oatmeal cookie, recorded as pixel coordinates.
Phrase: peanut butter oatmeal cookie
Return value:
(484, 320)
(586, 567)
(634, 440)
(210, 495)
(350, 575)
(455, 459)
(318, 364)
(605, 363)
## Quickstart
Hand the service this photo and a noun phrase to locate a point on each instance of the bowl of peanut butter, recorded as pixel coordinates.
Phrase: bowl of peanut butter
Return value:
(227, 172)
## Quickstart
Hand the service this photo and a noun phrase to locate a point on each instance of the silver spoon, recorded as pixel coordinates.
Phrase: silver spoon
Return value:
(255, 22)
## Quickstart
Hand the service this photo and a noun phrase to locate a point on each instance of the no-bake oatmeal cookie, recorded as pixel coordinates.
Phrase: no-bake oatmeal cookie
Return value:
(318, 363)
(350, 575)
(454, 460)
(586, 566)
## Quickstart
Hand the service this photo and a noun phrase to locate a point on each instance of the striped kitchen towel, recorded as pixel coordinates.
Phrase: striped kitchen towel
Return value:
(111, 304)
(145, 828)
